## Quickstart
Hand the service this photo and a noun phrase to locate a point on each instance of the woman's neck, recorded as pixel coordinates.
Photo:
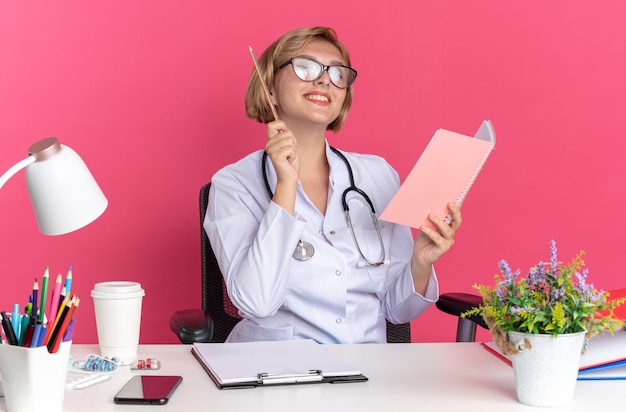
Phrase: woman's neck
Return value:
(314, 168)
(311, 142)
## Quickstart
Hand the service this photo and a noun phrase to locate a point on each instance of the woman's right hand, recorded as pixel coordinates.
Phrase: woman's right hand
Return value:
(281, 147)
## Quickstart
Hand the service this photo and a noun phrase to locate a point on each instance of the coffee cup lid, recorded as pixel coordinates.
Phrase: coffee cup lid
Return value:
(117, 289)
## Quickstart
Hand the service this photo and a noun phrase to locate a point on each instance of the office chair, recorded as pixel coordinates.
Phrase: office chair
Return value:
(218, 315)
(458, 303)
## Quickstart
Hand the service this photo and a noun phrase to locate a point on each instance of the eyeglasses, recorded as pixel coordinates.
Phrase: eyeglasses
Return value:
(310, 70)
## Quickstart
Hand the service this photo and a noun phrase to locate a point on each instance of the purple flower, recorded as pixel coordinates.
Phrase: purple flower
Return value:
(557, 294)
(582, 287)
(537, 275)
(598, 298)
(554, 263)
(509, 276)
(501, 293)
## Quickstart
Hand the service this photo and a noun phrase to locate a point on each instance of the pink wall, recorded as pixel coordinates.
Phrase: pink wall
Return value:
(150, 93)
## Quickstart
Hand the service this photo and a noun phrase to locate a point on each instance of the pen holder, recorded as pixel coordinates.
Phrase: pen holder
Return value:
(34, 379)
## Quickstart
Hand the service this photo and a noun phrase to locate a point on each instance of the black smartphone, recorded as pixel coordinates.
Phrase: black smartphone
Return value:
(148, 390)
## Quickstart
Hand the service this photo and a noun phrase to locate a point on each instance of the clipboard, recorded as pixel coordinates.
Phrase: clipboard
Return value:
(255, 364)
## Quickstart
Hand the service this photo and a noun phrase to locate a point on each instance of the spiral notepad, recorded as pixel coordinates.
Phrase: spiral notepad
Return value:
(444, 173)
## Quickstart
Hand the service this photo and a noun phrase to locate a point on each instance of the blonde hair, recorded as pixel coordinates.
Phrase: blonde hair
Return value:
(283, 49)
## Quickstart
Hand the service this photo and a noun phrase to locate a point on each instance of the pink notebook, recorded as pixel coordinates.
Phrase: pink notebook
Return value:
(444, 173)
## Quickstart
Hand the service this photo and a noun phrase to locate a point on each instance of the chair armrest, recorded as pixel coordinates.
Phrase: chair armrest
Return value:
(458, 303)
(192, 325)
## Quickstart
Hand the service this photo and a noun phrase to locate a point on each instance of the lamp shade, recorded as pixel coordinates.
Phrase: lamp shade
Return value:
(64, 194)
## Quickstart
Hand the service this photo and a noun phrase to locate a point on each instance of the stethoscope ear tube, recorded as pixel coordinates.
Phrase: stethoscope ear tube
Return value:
(365, 261)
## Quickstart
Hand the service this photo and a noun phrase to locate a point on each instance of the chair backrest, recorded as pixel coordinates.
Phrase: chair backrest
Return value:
(215, 300)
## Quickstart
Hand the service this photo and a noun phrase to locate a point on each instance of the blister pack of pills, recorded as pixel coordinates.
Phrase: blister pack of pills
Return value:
(148, 363)
(97, 363)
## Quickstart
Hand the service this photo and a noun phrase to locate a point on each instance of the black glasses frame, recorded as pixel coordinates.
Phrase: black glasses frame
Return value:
(324, 68)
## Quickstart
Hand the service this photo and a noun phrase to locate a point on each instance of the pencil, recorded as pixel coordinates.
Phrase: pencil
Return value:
(44, 291)
(55, 341)
(62, 298)
(54, 306)
(263, 84)
(35, 296)
(54, 302)
(68, 281)
(56, 322)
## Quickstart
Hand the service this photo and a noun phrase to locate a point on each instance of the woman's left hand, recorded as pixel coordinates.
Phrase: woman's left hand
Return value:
(431, 244)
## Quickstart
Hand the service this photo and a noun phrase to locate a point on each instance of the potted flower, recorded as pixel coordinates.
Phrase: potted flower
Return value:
(543, 318)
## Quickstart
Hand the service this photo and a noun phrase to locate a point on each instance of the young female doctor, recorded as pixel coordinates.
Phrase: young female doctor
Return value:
(296, 237)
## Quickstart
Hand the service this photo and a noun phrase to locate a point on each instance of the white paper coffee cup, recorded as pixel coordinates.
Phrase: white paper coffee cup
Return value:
(117, 306)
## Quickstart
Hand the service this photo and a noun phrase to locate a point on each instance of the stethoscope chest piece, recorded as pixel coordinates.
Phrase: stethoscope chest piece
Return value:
(304, 251)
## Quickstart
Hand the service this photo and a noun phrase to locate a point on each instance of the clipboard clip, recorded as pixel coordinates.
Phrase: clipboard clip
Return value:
(289, 377)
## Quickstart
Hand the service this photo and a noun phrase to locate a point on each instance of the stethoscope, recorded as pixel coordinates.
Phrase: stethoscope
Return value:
(305, 250)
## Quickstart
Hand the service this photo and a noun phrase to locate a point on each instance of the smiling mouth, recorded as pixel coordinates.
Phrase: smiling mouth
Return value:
(317, 97)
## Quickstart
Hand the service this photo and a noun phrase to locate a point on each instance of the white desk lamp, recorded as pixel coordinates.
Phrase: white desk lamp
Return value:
(64, 194)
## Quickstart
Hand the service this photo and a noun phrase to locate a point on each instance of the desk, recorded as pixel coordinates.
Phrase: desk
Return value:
(404, 377)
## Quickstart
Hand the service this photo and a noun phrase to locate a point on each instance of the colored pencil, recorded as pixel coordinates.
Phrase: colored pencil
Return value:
(54, 303)
(57, 334)
(35, 298)
(57, 324)
(54, 306)
(62, 297)
(57, 320)
(68, 281)
(44, 291)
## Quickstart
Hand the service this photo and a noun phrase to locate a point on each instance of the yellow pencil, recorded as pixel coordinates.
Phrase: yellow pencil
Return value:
(56, 321)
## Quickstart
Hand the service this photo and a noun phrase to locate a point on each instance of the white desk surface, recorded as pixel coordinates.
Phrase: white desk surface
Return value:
(418, 376)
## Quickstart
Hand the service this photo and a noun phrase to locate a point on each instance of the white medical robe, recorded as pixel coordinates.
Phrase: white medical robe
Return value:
(328, 298)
